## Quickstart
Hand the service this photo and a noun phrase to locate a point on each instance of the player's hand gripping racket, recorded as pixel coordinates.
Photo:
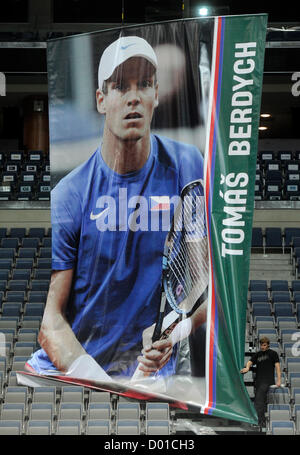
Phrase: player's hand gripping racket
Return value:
(185, 264)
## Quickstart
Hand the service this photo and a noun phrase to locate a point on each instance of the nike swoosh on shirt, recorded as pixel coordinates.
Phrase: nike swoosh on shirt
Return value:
(95, 217)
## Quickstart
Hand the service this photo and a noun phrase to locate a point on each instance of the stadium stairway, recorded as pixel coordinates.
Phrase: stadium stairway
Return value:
(271, 266)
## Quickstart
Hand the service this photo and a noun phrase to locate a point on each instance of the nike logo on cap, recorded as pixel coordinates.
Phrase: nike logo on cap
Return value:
(96, 217)
(128, 45)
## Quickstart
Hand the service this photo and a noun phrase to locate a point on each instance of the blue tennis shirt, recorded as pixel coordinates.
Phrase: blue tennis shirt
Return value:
(111, 229)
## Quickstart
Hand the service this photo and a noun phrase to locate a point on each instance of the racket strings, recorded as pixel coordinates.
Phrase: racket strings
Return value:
(187, 262)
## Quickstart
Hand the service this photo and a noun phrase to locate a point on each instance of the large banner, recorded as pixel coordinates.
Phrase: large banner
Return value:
(153, 133)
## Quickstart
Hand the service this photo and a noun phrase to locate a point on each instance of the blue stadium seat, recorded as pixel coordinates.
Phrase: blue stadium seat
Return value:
(157, 411)
(273, 239)
(279, 285)
(42, 411)
(27, 253)
(287, 322)
(295, 253)
(15, 296)
(34, 309)
(295, 242)
(44, 395)
(11, 308)
(257, 241)
(44, 263)
(289, 233)
(30, 242)
(18, 232)
(47, 242)
(10, 242)
(42, 274)
(37, 232)
(288, 335)
(24, 348)
(258, 285)
(17, 285)
(99, 411)
(128, 427)
(277, 413)
(294, 380)
(128, 411)
(7, 253)
(266, 155)
(285, 156)
(280, 296)
(296, 297)
(259, 191)
(259, 296)
(283, 309)
(268, 332)
(98, 427)
(10, 427)
(292, 190)
(273, 176)
(273, 165)
(24, 263)
(39, 285)
(279, 395)
(158, 427)
(264, 322)
(17, 394)
(68, 411)
(68, 427)
(3, 232)
(30, 335)
(13, 411)
(261, 309)
(37, 296)
(39, 427)
(6, 264)
(273, 185)
(293, 366)
(293, 165)
(21, 274)
(45, 252)
(4, 274)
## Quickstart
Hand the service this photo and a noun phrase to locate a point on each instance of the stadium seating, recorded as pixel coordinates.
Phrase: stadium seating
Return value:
(274, 310)
(285, 427)
(27, 179)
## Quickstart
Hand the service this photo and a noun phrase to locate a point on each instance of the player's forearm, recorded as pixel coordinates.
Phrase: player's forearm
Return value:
(59, 342)
(56, 336)
(248, 364)
(278, 372)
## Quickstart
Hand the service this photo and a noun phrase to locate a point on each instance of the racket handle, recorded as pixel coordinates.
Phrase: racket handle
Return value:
(158, 326)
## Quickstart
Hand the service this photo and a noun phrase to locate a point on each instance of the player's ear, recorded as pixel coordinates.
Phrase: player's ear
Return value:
(100, 100)
(156, 95)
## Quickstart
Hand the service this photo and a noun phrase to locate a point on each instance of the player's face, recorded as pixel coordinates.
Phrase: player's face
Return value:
(130, 100)
(264, 346)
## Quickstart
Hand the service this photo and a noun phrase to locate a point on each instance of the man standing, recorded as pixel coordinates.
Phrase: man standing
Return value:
(107, 242)
(265, 360)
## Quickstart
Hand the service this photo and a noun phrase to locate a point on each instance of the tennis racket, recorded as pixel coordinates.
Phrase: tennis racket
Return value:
(184, 281)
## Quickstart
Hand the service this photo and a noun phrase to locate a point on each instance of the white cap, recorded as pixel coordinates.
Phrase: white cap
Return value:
(121, 50)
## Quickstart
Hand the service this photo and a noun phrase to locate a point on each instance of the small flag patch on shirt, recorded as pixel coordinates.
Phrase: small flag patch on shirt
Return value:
(159, 203)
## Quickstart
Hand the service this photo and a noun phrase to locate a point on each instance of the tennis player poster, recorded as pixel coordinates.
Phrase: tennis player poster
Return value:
(153, 133)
